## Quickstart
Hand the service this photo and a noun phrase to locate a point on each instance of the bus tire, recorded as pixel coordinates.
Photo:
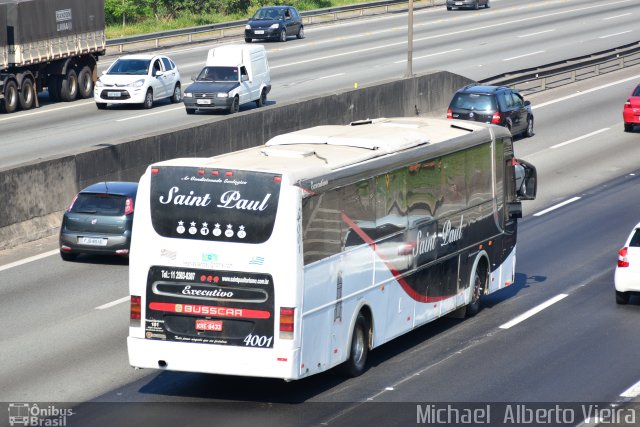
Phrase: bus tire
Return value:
(359, 349)
(479, 285)
(10, 102)
(26, 95)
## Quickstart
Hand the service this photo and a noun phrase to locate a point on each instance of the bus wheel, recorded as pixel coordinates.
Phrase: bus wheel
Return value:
(479, 283)
(357, 361)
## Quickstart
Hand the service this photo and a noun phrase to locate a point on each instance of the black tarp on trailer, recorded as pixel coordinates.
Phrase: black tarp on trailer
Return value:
(38, 20)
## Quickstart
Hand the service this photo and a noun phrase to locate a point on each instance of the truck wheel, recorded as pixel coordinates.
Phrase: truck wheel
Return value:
(69, 86)
(148, 100)
(260, 102)
(10, 103)
(235, 106)
(85, 83)
(26, 95)
(357, 361)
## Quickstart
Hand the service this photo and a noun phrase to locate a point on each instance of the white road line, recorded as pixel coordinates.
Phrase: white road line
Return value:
(113, 303)
(522, 56)
(331, 76)
(535, 34)
(559, 205)
(149, 114)
(632, 391)
(428, 56)
(30, 259)
(524, 316)
(571, 141)
(544, 104)
(76, 104)
(617, 16)
(613, 35)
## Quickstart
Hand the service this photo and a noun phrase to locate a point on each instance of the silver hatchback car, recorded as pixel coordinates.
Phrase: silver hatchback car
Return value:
(467, 4)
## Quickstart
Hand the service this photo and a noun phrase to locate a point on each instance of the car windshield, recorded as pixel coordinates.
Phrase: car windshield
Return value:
(268, 14)
(99, 204)
(218, 74)
(130, 66)
(474, 101)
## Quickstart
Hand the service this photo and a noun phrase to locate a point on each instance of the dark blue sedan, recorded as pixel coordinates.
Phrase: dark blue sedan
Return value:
(274, 23)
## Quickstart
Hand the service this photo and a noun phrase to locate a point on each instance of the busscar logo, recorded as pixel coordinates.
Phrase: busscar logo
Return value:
(27, 414)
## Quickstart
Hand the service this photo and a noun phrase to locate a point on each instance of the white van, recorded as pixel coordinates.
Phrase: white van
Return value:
(233, 75)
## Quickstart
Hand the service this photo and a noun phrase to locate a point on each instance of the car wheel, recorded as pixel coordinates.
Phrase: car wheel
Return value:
(177, 94)
(66, 256)
(85, 82)
(235, 106)
(529, 131)
(300, 34)
(191, 110)
(449, 8)
(246, 40)
(10, 103)
(357, 361)
(486, 5)
(283, 35)
(628, 127)
(68, 86)
(26, 97)
(622, 297)
(101, 105)
(476, 6)
(260, 102)
(148, 99)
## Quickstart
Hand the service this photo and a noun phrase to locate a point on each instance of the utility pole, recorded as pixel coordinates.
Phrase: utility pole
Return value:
(409, 72)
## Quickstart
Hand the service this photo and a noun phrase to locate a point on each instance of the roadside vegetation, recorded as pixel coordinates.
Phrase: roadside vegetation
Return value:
(130, 17)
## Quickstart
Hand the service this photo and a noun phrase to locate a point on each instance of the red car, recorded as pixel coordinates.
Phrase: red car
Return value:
(631, 112)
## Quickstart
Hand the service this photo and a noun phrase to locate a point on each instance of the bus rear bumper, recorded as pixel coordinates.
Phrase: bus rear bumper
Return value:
(213, 359)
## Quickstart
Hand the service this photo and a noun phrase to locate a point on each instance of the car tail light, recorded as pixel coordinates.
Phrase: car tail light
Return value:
(496, 119)
(287, 315)
(622, 258)
(136, 311)
(72, 202)
(128, 206)
(627, 104)
(449, 113)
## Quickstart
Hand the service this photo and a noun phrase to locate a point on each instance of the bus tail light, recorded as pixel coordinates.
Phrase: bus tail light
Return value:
(622, 258)
(136, 311)
(287, 315)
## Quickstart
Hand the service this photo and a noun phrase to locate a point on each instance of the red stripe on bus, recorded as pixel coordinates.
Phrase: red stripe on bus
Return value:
(403, 283)
(210, 310)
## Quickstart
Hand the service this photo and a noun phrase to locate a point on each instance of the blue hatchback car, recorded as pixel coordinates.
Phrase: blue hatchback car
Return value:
(274, 23)
(98, 221)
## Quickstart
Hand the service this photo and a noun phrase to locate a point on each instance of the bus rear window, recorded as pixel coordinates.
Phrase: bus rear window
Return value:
(215, 205)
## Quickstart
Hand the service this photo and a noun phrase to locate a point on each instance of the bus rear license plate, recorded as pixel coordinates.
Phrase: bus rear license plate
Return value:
(209, 325)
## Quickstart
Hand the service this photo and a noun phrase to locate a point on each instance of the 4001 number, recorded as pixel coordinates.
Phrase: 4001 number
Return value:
(257, 341)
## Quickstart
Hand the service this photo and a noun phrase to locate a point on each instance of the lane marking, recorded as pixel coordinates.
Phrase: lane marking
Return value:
(522, 56)
(617, 16)
(113, 303)
(535, 310)
(544, 104)
(428, 56)
(632, 391)
(571, 141)
(559, 205)
(535, 34)
(150, 114)
(30, 259)
(613, 35)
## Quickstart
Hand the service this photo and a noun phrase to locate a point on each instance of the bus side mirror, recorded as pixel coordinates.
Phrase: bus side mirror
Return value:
(526, 180)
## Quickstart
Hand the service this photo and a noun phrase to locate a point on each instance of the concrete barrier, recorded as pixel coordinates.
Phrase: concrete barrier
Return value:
(34, 195)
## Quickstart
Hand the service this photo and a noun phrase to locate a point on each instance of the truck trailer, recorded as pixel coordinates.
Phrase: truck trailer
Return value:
(51, 45)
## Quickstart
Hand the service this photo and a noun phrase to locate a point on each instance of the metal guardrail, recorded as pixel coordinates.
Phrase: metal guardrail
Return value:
(537, 79)
(236, 28)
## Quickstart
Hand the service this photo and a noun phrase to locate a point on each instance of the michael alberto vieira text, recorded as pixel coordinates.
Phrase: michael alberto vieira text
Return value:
(516, 414)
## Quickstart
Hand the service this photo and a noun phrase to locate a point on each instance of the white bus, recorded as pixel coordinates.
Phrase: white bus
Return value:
(287, 259)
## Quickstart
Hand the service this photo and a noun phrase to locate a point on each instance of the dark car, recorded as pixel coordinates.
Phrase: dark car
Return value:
(631, 110)
(98, 221)
(467, 4)
(499, 105)
(274, 23)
